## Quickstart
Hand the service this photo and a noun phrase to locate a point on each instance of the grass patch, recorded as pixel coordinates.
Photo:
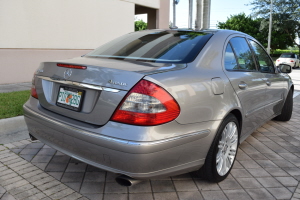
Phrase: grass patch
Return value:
(11, 103)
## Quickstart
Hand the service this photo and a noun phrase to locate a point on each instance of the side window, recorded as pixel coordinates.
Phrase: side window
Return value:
(243, 54)
(265, 63)
(230, 61)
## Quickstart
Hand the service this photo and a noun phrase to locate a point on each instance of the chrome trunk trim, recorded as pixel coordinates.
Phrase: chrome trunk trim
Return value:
(82, 85)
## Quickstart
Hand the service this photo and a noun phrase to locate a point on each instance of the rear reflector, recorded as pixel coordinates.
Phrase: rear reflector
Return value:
(33, 90)
(146, 104)
(71, 66)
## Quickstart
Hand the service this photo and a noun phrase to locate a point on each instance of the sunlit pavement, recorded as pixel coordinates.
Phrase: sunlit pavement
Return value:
(267, 167)
(295, 75)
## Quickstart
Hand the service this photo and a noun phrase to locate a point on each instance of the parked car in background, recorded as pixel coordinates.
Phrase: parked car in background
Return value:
(289, 59)
(159, 102)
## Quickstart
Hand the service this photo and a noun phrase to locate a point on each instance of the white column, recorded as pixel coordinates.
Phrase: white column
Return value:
(206, 14)
(190, 13)
(203, 14)
(174, 13)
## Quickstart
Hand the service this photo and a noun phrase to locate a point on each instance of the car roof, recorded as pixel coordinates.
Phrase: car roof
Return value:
(221, 32)
(224, 32)
(206, 30)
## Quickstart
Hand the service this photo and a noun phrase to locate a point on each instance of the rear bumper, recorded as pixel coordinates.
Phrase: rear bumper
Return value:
(138, 159)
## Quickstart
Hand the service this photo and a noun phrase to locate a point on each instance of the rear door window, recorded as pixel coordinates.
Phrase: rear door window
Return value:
(243, 54)
(230, 60)
(264, 61)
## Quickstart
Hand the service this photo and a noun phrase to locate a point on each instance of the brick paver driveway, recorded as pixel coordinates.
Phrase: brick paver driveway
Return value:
(267, 167)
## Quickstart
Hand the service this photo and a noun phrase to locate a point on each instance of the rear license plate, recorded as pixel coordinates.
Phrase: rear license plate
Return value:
(70, 98)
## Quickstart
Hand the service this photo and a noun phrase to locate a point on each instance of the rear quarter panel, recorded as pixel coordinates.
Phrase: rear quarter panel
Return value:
(194, 89)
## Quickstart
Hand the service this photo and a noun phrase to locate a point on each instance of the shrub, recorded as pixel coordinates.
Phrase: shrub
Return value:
(280, 51)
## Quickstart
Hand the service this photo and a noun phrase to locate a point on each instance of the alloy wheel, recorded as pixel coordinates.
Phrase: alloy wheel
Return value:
(227, 148)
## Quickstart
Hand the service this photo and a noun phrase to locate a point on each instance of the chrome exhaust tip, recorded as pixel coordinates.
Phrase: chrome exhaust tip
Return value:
(126, 181)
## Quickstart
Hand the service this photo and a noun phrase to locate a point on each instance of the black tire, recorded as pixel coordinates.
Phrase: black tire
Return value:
(287, 109)
(209, 169)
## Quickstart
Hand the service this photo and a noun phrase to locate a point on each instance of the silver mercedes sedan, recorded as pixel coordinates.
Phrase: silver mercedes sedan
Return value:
(159, 102)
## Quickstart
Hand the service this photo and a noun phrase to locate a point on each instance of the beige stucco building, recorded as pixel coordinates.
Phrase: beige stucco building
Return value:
(35, 31)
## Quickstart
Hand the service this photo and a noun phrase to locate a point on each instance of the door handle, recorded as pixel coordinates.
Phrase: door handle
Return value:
(268, 83)
(242, 86)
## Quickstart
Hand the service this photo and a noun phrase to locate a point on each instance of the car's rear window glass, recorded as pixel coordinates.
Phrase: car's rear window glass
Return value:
(155, 46)
(287, 56)
(243, 54)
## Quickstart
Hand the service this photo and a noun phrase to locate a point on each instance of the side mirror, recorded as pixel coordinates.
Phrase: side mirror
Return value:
(284, 68)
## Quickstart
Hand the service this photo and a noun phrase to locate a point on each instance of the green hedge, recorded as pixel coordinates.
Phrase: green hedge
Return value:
(280, 51)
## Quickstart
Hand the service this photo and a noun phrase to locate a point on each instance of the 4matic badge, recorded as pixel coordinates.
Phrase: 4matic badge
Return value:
(117, 83)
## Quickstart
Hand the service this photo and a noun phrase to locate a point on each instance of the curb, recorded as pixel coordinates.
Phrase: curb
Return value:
(12, 125)
(13, 129)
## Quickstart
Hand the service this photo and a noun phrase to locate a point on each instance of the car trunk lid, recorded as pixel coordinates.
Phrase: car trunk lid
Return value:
(96, 90)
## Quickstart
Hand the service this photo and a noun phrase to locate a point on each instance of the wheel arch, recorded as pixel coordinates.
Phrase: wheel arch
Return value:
(292, 88)
(237, 113)
(206, 170)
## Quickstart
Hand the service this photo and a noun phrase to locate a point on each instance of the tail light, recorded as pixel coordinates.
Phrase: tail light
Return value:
(291, 60)
(71, 66)
(146, 104)
(278, 60)
(33, 90)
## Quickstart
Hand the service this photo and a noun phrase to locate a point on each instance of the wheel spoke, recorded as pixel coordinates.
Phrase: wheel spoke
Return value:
(233, 140)
(224, 166)
(219, 157)
(228, 163)
(232, 152)
(230, 130)
(219, 165)
(233, 131)
(223, 138)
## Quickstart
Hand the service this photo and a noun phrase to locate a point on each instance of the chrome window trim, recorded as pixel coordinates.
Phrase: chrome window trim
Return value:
(82, 85)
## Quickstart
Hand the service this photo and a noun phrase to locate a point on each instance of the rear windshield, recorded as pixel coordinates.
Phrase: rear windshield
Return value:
(287, 56)
(154, 46)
